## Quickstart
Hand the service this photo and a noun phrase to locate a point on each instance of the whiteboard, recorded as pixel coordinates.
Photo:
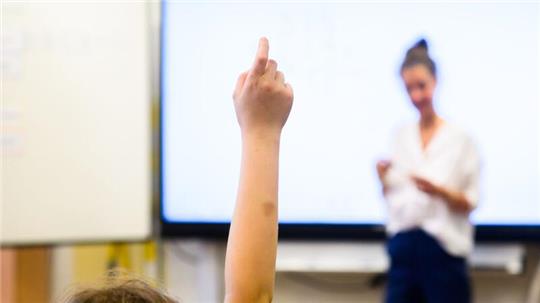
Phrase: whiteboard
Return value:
(342, 59)
(75, 132)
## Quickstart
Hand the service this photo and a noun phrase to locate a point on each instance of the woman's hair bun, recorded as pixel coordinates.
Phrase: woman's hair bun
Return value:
(418, 54)
(420, 48)
(422, 43)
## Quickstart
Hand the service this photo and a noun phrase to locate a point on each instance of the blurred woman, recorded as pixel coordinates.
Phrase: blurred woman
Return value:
(431, 187)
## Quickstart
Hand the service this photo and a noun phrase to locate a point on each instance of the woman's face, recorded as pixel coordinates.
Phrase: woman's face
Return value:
(420, 85)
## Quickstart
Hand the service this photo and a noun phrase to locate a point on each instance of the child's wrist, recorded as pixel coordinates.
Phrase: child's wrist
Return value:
(261, 134)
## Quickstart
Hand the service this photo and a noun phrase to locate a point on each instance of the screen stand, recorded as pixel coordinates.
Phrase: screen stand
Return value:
(506, 257)
(371, 257)
(534, 291)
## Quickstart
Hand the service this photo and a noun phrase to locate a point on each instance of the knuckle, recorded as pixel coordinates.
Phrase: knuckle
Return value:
(267, 86)
(250, 85)
(261, 60)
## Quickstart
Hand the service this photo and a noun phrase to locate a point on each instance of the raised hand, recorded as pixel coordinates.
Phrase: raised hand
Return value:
(262, 99)
(262, 102)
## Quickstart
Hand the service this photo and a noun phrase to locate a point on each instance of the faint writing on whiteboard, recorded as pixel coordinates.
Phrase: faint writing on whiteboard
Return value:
(11, 145)
(12, 55)
(11, 138)
(9, 115)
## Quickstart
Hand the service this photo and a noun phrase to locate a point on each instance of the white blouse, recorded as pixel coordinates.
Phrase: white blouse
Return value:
(450, 160)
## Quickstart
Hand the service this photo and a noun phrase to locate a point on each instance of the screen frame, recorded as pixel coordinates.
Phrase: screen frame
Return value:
(314, 231)
(483, 233)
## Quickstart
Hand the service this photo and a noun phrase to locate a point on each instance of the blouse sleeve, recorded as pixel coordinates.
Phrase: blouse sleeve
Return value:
(395, 176)
(471, 177)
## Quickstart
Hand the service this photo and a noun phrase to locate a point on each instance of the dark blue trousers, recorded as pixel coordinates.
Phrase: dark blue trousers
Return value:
(422, 271)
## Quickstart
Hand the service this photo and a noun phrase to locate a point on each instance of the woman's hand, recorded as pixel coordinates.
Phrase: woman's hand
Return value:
(427, 186)
(456, 200)
(382, 169)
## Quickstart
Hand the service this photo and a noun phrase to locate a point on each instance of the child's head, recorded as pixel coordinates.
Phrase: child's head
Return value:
(118, 287)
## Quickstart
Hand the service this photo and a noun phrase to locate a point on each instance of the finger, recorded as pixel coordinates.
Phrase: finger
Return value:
(290, 91)
(416, 178)
(271, 69)
(239, 83)
(383, 164)
(280, 77)
(261, 58)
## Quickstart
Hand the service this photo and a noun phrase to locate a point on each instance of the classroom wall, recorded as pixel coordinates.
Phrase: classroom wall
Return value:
(25, 275)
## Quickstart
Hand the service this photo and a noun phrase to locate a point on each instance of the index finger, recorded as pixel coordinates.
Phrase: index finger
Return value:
(415, 178)
(259, 65)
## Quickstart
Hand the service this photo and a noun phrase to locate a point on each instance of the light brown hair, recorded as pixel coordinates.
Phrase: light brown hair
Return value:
(418, 55)
(118, 287)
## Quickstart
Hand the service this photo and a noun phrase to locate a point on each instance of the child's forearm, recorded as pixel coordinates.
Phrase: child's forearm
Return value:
(262, 102)
(255, 225)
